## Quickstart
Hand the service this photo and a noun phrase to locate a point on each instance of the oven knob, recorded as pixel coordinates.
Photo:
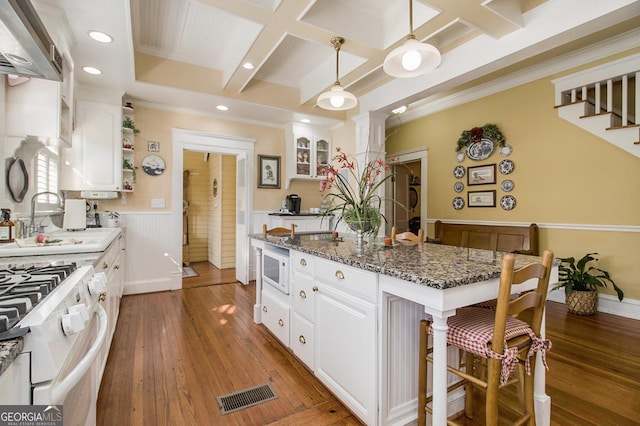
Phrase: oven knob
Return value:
(81, 309)
(72, 323)
(96, 285)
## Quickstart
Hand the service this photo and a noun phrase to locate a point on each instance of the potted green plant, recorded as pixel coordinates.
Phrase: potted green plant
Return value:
(581, 281)
(127, 123)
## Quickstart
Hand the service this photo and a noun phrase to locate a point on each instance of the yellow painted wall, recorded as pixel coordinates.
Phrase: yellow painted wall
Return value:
(563, 176)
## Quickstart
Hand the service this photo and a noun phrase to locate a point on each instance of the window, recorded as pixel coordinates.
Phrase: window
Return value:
(46, 178)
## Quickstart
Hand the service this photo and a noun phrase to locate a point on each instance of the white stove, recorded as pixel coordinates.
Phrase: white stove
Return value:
(57, 310)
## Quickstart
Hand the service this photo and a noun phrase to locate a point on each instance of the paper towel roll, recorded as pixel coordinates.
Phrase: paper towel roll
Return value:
(75, 215)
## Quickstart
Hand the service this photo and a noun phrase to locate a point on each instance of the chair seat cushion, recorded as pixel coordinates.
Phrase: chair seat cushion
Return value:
(471, 330)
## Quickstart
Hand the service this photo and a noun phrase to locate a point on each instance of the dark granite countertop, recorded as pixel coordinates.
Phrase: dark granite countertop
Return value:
(434, 265)
(9, 350)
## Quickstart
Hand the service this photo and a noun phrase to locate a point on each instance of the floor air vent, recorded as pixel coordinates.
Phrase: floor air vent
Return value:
(246, 398)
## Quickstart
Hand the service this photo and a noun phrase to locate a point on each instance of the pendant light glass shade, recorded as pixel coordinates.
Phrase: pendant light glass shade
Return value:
(413, 58)
(337, 99)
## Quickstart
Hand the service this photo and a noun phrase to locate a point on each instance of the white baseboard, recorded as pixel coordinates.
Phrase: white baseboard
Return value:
(147, 286)
(628, 308)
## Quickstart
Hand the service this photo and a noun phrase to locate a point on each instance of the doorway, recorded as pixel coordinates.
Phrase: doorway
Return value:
(209, 214)
(409, 187)
(239, 150)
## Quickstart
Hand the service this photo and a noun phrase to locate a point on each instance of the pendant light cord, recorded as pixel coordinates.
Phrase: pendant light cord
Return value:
(411, 36)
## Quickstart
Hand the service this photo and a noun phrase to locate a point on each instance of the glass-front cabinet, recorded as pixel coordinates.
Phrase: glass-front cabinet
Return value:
(308, 151)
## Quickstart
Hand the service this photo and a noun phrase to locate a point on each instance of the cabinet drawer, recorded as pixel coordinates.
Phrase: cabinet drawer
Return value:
(303, 295)
(302, 340)
(275, 316)
(345, 278)
(301, 262)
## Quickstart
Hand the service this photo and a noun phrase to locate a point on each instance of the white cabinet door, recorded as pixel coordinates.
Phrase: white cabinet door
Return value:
(308, 152)
(94, 162)
(302, 339)
(275, 316)
(345, 354)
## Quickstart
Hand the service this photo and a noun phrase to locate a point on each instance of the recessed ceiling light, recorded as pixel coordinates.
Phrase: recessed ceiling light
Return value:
(305, 120)
(100, 36)
(399, 110)
(222, 108)
(248, 65)
(92, 70)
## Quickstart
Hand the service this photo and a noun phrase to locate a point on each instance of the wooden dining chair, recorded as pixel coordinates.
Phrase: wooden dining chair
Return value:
(497, 338)
(407, 236)
(279, 232)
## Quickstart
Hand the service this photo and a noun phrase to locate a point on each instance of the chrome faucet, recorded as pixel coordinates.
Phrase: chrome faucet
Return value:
(32, 223)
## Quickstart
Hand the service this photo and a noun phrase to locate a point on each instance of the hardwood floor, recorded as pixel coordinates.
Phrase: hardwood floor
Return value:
(208, 275)
(174, 352)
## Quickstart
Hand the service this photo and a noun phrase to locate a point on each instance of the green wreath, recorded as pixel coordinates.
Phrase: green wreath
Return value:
(488, 131)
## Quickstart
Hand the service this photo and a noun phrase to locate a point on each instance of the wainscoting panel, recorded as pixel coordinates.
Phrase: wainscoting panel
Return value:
(147, 269)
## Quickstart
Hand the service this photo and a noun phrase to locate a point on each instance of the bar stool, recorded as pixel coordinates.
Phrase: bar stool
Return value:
(279, 232)
(407, 236)
(498, 338)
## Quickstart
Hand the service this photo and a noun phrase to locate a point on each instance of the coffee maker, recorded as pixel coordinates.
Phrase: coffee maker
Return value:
(293, 202)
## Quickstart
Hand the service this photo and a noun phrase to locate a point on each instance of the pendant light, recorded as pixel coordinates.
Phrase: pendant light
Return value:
(337, 99)
(413, 58)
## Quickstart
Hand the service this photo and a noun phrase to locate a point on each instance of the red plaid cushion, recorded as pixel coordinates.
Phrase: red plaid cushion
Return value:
(471, 329)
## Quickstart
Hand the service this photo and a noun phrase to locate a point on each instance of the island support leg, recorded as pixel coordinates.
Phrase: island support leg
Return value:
(542, 401)
(439, 388)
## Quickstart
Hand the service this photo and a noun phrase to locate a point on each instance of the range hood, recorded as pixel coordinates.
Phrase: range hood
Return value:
(26, 48)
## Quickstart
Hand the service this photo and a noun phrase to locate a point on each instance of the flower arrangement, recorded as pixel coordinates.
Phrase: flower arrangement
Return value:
(488, 131)
(353, 194)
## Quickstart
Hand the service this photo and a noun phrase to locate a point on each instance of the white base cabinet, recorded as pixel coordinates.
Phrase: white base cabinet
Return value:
(332, 309)
(345, 355)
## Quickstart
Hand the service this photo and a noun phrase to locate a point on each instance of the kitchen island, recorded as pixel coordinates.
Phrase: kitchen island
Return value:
(352, 316)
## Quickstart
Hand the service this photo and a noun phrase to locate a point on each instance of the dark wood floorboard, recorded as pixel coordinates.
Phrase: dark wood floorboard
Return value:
(174, 352)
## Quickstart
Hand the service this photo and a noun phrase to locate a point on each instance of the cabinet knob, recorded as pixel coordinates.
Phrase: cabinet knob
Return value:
(280, 322)
(104, 265)
(303, 262)
(117, 267)
(102, 297)
(303, 294)
(264, 309)
(315, 288)
(339, 275)
(302, 340)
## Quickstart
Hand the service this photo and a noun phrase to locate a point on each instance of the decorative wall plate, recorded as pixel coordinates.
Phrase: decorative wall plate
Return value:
(458, 186)
(479, 151)
(507, 202)
(459, 171)
(460, 156)
(507, 185)
(506, 167)
(458, 203)
(506, 150)
(153, 165)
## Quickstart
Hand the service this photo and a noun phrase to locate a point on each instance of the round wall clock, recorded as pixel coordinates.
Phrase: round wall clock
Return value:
(153, 165)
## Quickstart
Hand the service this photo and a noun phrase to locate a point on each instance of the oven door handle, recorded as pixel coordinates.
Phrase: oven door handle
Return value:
(60, 389)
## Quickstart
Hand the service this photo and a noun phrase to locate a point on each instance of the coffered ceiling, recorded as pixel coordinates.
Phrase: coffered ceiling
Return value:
(190, 53)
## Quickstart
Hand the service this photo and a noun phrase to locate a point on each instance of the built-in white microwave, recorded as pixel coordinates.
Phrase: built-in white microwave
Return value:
(275, 267)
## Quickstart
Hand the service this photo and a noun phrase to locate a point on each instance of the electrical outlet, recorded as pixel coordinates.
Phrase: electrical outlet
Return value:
(157, 203)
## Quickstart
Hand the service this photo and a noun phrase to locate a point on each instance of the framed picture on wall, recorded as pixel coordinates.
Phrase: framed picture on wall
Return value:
(268, 171)
(481, 175)
(481, 198)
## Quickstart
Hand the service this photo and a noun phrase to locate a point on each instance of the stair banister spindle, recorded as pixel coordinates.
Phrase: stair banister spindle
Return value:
(598, 100)
(574, 97)
(625, 100)
(584, 93)
(609, 95)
